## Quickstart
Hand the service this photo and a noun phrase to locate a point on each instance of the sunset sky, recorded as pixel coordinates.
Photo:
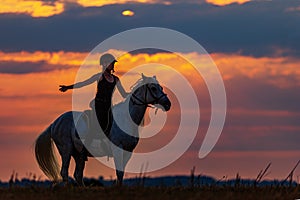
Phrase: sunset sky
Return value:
(254, 43)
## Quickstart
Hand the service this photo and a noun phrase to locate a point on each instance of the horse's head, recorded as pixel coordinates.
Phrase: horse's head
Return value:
(150, 92)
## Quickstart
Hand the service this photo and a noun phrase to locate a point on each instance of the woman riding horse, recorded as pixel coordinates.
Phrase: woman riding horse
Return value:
(105, 87)
(124, 133)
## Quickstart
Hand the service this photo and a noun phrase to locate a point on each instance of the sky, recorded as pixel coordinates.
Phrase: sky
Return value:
(254, 43)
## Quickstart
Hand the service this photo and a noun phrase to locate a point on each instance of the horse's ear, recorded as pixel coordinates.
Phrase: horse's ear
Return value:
(154, 77)
(143, 76)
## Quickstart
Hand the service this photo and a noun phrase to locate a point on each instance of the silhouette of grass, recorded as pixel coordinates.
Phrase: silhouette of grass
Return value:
(31, 188)
(125, 192)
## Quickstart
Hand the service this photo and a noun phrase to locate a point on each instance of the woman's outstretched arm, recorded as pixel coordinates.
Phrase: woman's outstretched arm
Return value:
(92, 79)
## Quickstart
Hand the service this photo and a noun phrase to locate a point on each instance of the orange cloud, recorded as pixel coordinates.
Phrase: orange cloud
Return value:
(226, 2)
(98, 3)
(230, 65)
(31, 7)
(277, 71)
(53, 58)
(39, 8)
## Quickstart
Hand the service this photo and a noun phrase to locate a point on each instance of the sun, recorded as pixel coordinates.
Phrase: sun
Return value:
(128, 13)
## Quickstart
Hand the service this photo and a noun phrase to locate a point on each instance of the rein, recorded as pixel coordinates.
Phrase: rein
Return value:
(143, 102)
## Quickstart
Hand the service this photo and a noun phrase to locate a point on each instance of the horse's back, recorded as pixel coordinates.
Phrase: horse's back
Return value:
(63, 126)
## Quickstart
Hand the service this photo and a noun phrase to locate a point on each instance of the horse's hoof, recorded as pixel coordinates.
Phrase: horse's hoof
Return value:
(60, 185)
(80, 184)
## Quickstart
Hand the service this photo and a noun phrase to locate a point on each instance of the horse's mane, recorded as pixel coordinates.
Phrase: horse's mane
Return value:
(132, 89)
(141, 81)
(136, 85)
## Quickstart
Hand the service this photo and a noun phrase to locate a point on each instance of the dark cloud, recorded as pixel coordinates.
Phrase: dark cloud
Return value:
(260, 115)
(148, 51)
(259, 138)
(247, 131)
(258, 94)
(254, 28)
(49, 2)
(10, 67)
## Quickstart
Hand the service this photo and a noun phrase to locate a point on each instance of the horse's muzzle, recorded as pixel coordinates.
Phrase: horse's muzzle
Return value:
(165, 103)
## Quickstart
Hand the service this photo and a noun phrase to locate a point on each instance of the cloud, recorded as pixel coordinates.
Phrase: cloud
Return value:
(269, 137)
(293, 9)
(246, 78)
(254, 28)
(226, 2)
(26, 67)
(279, 71)
(48, 8)
(27, 62)
(258, 94)
(32, 7)
(262, 119)
(99, 3)
(260, 83)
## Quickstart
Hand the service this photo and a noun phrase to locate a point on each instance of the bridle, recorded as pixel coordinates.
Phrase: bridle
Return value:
(142, 102)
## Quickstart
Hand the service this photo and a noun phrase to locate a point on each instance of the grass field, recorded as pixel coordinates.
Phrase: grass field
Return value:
(205, 192)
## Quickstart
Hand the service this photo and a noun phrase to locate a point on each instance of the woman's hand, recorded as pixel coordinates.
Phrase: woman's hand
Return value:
(63, 88)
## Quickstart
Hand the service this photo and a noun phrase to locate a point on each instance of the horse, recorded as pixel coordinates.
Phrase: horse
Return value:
(64, 132)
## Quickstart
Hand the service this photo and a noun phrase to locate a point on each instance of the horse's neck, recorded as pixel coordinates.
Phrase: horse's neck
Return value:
(137, 112)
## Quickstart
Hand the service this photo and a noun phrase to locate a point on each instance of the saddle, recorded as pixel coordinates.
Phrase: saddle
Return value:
(89, 135)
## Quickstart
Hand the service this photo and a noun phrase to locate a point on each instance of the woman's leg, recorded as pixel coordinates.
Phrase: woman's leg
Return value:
(103, 115)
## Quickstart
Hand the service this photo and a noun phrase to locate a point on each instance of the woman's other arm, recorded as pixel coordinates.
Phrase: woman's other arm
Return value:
(121, 89)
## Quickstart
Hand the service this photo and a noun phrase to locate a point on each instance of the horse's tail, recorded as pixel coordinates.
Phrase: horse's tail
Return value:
(44, 154)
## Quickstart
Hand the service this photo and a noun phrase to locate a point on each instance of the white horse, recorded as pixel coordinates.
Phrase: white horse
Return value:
(64, 132)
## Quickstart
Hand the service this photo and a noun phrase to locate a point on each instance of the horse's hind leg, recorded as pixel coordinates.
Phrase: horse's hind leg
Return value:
(65, 167)
(80, 164)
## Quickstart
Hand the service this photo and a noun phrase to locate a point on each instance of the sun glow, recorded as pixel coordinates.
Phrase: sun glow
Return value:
(128, 13)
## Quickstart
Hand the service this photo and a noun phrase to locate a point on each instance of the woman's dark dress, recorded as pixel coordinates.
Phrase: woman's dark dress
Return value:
(103, 98)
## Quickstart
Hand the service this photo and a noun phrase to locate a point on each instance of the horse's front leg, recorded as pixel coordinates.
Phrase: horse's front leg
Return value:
(126, 157)
(119, 164)
(121, 159)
